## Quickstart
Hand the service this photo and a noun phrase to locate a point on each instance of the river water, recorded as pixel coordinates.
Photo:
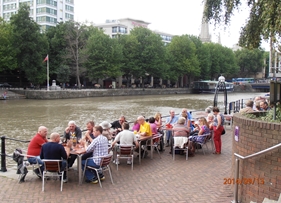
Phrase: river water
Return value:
(20, 119)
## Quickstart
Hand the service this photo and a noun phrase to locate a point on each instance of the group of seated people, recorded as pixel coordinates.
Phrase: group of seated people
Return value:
(97, 138)
(258, 104)
(194, 131)
(95, 142)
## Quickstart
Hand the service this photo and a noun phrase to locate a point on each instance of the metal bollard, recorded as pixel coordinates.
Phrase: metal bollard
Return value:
(3, 155)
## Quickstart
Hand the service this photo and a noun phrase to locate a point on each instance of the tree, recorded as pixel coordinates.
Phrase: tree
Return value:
(263, 22)
(250, 61)
(7, 53)
(203, 55)
(129, 45)
(183, 53)
(149, 54)
(63, 73)
(223, 61)
(104, 56)
(30, 46)
(76, 36)
(57, 49)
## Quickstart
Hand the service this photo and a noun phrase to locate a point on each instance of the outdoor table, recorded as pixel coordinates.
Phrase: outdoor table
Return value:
(145, 138)
(79, 152)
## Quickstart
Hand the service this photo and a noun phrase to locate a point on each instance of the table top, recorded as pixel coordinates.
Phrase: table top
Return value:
(141, 138)
(77, 150)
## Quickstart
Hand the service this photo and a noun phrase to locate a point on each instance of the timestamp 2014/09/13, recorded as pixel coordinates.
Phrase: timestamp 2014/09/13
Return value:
(245, 181)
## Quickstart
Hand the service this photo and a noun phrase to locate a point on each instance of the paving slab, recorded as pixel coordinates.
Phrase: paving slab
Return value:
(200, 179)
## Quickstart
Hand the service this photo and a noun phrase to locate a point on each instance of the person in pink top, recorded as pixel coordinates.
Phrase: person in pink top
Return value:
(153, 125)
(158, 120)
(136, 126)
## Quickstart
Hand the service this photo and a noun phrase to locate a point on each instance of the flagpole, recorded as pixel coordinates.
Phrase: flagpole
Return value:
(48, 72)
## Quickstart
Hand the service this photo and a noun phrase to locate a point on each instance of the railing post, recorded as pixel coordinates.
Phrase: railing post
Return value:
(3, 155)
(230, 108)
(236, 179)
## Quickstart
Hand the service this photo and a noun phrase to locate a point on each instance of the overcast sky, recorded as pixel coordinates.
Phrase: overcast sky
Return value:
(175, 17)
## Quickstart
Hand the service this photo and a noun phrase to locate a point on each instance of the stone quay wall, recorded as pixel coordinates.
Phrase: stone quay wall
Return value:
(68, 94)
(260, 176)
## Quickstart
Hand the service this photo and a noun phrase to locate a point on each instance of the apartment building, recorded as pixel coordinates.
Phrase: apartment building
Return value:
(46, 13)
(123, 26)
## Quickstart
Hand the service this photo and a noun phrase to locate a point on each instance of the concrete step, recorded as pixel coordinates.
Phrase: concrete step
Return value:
(266, 200)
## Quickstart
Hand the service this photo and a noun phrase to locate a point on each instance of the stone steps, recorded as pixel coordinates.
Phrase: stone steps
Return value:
(11, 95)
(266, 200)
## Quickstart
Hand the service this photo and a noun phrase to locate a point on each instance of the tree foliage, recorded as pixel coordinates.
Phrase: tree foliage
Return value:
(7, 53)
(223, 61)
(263, 22)
(104, 56)
(149, 53)
(76, 36)
(250, 61)
(183, 54)
(30, 46)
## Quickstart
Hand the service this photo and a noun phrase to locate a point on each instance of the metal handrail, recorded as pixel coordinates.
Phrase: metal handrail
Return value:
(244, 158)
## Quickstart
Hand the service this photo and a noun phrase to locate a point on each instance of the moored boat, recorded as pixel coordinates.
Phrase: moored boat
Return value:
(209, 86)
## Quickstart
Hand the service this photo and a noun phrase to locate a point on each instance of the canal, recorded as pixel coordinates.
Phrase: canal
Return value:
(20, 119)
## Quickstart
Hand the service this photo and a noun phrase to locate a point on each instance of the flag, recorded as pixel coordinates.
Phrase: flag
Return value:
(46, 59)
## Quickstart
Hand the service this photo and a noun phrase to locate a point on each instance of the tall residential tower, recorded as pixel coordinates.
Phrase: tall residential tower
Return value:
(46, 13)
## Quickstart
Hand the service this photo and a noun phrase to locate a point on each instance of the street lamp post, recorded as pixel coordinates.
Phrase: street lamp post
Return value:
(221, 87)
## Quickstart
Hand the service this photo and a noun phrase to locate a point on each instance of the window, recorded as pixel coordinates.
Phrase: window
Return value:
(49, 2)
(69, 16)
(46, 10)
(114, 29)
(46, 19)
(29, 3)
(9, 7)
(70, 1)
(122, 30)
(69, 8)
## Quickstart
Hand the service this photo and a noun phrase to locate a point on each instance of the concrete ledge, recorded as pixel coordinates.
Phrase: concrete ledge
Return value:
(67, 94)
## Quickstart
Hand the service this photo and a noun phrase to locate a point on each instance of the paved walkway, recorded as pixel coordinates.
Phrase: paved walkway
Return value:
(200, 180)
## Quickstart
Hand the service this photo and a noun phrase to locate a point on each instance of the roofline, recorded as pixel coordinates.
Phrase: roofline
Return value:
(141, 21)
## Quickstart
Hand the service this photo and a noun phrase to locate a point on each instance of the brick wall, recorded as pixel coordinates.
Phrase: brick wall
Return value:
(260, 175)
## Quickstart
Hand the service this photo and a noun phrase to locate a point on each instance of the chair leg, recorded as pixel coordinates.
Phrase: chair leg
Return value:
(98, 176)
(157, 150)
(117, 161)
(43, 179)
(173, 153)
(202, 146)
(132, 162)
(110, 174)
(186, 153)
(61, 181)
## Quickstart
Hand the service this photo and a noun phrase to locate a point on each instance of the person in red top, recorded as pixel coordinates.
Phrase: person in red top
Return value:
(34, 148)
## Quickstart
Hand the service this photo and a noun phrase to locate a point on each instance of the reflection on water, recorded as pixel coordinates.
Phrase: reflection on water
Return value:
(21, 118)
